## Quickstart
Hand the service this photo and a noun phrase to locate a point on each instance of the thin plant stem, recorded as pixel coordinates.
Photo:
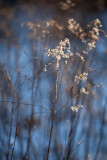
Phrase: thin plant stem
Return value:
(51, 130)
(16, 132)
(31, 119)
(10, 132)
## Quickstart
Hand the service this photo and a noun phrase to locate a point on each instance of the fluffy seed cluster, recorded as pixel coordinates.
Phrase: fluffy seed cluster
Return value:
(53, 23)
(61, 51)
(81, 77)
(93, 34)
(35, 29)
(76, 29)
(76, 108)
(66, 5)
(90, 37)
(81, 57)
(83, 91)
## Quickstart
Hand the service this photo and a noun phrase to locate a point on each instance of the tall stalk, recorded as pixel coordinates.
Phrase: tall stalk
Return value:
(53, 113)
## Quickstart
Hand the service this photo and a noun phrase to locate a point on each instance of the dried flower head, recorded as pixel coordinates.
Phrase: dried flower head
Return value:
(81, 77)
(83, 90)
(75, 108)
(61, 51)
(90, 37)
(66, 5)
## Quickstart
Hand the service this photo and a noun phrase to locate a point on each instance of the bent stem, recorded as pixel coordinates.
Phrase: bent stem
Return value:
(51, 130)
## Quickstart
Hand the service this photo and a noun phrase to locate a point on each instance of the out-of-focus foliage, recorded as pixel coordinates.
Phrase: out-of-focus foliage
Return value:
(53, 67)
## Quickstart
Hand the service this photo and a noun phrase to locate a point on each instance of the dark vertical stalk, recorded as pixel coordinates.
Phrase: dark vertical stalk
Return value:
(10, 132)
(51, 130)
(16, 131)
